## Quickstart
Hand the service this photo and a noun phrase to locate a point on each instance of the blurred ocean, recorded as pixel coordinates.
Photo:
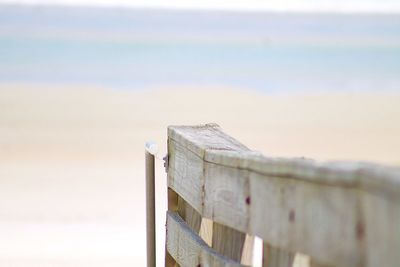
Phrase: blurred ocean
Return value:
(71, 160)
(132, 49)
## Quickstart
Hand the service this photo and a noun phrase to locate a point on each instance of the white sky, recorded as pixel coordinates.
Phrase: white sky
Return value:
(380, 6)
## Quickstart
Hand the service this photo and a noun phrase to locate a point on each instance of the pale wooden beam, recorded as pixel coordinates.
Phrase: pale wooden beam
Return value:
(206, 231)
(248, 251)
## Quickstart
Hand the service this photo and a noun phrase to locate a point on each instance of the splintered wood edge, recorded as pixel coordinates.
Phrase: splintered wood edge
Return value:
(188, 249)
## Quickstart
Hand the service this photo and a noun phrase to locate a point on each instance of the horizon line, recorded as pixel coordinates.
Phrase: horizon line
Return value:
(202, 8)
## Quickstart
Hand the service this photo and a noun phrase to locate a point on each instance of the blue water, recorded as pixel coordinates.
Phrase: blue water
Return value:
(274, 53)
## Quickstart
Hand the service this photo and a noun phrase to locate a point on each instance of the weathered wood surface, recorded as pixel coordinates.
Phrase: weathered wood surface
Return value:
(169, 261)
(172, 206)
(248, 251)
(189, 215)
(206, 229)
(188, 249)
(341, 214)
(228, 241)
(273, 257)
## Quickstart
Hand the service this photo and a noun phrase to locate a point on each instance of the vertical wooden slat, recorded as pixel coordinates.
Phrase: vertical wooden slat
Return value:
(189, 215)
(274, 257)
(227, 241)
(172, 206)
(206, 231)
(301, 260)
(247, 253)
(172, 200)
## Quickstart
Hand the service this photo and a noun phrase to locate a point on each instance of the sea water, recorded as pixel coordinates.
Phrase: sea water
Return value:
(133, 49)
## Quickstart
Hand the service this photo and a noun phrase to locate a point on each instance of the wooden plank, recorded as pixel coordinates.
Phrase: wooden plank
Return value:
(367, 177)
(172, 206)
(228, 241)
(320, 209)
(185, 174)
(307, 217)
(248, 251)
(210, 143)
(206, 231)
(380, 231)
(200, 138)
(186, 167)
(301, 260)
(172, 200)
(189, 215)
(282, 211)
(226, 195)
(275, 257)
(188, 249)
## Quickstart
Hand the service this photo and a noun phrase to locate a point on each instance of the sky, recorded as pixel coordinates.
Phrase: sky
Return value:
(342, 6)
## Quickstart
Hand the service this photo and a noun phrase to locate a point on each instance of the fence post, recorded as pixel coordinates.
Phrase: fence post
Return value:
(150, 208)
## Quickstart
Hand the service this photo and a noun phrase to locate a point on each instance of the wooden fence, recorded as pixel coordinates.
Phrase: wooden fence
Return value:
(221, 195)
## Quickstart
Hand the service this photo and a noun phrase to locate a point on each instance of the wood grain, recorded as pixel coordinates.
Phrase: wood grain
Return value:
(188, 249)
(275, 257)
(228, 241)
(340, 213)
(189, 215)
(172, 207)
(206, 231)
(248, 251)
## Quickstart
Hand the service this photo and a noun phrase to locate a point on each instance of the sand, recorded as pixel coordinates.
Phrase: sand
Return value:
(71, 158)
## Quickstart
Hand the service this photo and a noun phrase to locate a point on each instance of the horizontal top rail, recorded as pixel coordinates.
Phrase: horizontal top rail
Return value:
(339, 213)
(211, 144)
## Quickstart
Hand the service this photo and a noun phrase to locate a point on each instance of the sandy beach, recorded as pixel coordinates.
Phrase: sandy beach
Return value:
(71, 158)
